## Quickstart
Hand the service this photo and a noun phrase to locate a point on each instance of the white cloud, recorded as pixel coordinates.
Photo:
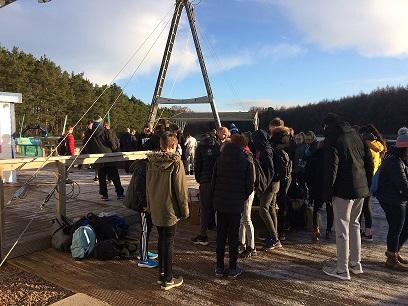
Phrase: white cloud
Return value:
(375, 28)
(97, 37)
(281, 51)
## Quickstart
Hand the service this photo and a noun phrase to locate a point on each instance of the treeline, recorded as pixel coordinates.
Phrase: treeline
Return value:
(386, 108)
(49, 93)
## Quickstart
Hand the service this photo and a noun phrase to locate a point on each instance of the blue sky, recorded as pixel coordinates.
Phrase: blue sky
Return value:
(258, 52)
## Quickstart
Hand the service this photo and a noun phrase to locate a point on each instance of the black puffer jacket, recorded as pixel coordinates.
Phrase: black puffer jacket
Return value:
(206, 155)
(233, 180)
(136, 193)
(348, 165)
(102, 141)
(393, 181)
(314, 174)
(264, 153)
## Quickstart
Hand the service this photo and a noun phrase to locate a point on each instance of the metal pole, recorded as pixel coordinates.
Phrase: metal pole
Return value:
(21, 126)
(2, 223)
(109, 119)
(191, 19)
(165, 61)
(65, 125)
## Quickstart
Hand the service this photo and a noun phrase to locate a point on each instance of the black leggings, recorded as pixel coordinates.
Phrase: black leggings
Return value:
(367, 213)
(227, 228)
(397, 218)
(317, 206)
(165, 250)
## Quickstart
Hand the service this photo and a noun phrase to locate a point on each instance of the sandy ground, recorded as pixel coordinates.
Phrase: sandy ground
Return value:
(21, 288)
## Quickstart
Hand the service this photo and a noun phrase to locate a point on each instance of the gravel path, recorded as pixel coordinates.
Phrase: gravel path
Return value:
(21, 288)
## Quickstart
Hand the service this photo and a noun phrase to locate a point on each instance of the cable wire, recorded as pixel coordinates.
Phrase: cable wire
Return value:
(23, 190)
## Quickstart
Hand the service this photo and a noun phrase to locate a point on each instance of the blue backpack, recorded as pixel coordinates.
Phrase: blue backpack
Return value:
(83, 242)
(375, 183)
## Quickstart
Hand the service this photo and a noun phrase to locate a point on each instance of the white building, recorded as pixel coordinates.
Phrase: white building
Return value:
(7, 129)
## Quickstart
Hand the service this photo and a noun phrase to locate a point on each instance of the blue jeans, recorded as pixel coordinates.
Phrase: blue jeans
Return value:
(397, 218)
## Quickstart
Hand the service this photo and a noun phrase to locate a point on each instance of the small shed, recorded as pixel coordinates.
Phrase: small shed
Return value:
(8, 129)
(197, 123)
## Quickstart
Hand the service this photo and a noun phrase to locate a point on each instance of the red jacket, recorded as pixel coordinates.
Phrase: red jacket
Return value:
(70, 141)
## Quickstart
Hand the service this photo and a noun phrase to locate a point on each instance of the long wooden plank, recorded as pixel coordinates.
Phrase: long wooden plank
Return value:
(37, 162)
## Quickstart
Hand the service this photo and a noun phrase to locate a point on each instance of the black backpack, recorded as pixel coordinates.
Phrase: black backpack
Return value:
(104, 229)
(112, 249)
(282, 165)
(261, 181)
(62, 146)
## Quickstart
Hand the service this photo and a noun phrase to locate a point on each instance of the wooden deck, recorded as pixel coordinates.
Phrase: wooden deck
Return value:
(291, 276)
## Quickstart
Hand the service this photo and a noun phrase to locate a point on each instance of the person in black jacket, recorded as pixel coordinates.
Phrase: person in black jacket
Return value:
(104, 141)
(267, 197)
(348, 168)
(393, 196)
(206, 155)
(314, 177)
(232, 184)
(127, 144)
(280, 140)
(143, 138)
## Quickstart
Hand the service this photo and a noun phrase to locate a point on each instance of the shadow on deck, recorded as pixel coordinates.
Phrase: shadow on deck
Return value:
(291, 276)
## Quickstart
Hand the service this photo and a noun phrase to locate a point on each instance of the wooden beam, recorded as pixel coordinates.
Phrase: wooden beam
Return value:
(60, 206)
(200, 100)
(35, 163)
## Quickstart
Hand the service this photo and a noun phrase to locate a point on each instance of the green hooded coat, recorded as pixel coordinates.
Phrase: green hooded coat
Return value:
(166, 188)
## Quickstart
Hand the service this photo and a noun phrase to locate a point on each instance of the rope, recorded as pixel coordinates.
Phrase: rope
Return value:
(114, 102)
(48, 197)
(22, 190)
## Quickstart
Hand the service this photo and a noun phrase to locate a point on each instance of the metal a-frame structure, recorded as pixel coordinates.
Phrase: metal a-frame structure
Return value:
(157, 98)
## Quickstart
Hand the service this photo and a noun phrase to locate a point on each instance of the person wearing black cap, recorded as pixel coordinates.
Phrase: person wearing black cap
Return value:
(348, 169)
(103, 141)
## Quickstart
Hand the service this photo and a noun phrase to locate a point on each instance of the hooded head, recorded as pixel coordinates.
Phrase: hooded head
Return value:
(260, 139)
(280, 135)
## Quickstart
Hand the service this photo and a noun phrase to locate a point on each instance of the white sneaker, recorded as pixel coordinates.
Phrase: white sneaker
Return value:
(332, 271)
(356, 268)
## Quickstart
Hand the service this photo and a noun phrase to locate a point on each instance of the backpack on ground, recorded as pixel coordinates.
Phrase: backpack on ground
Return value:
(60, 234)
(119, 224)
(104, 229)
(282, 165)
(62, 146)
(83, 242)
(261, 181)
(113, 249)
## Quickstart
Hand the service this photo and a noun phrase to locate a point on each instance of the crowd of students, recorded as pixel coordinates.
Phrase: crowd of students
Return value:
(236, 169)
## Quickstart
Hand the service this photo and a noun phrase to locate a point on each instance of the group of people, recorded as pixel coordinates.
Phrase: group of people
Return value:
(235, 169)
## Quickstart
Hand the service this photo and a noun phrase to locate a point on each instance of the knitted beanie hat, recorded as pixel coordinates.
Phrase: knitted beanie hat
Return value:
(402, 139)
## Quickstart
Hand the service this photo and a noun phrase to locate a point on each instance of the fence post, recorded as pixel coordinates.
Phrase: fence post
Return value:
(61, 209)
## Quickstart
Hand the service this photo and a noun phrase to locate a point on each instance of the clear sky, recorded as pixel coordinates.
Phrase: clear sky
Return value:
(258, 52)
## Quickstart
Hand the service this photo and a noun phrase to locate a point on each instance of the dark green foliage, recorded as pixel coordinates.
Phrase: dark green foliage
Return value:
(50, 93)
(386, 108)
